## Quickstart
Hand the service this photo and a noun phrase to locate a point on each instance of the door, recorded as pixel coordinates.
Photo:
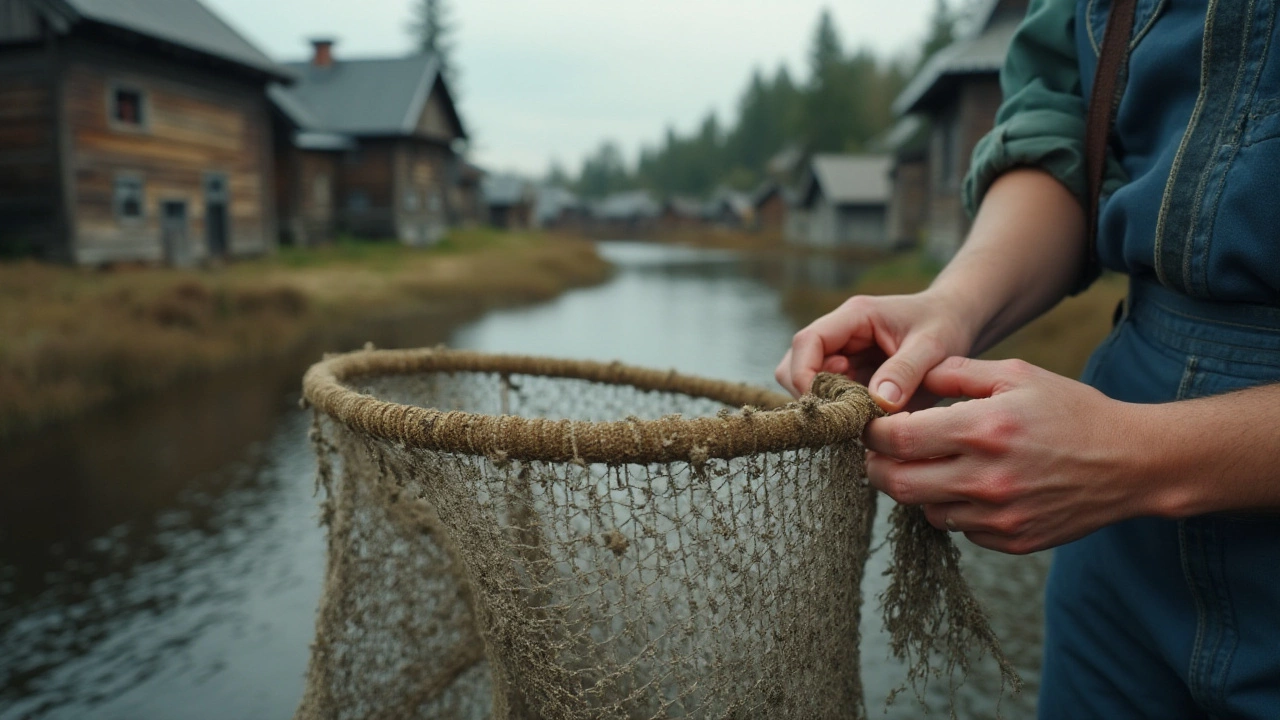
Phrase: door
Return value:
(215, 214)
(173, 232)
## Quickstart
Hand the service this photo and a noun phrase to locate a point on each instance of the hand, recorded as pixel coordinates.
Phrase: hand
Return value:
(1035, 461)
(886, 343)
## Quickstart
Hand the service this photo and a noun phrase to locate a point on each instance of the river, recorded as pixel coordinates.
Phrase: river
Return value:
(162, 559)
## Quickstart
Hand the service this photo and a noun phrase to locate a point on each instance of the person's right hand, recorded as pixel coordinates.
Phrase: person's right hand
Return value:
(887, 343)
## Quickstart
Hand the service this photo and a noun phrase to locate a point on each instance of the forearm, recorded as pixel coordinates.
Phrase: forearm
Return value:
(1023, 254)
(1209, 455)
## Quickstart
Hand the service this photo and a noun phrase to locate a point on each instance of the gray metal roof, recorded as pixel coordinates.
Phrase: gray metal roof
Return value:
(359, 97)
(503, 190)
(851, 179)
(980, 52)
(186, 23)
(628, 205)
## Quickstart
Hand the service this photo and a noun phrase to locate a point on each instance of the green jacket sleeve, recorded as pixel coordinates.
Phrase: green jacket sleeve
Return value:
(1042, 119)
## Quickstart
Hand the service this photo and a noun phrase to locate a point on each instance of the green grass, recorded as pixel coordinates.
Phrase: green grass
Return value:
(74, 338)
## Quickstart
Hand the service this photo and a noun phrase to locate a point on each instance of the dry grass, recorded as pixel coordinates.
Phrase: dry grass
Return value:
(1061, 340)
(72, 339)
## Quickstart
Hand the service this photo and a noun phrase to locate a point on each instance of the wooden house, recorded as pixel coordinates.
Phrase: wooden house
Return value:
(368, 147)
(908, 142)
(770, 203)
(843, 203)
(729, 209)
(509, 200)
(132, 131)
(680, 213)
(958, 92)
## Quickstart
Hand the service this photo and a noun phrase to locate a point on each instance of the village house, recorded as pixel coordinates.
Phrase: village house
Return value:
(958, 93)
(627, 214)
(132, 131)
(908, 142)
(369, 147)
(843, 202)
(769, 208)
(556, 207)
(509, 201)
(729, 209)
(680, 213)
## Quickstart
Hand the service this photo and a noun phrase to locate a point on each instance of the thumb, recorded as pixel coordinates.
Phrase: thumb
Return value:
(899, 376)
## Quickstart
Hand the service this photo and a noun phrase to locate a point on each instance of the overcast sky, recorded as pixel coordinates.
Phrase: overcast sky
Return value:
(545, 79)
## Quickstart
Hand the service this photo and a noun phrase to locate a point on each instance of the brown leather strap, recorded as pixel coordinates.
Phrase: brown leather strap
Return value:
(1108, 86)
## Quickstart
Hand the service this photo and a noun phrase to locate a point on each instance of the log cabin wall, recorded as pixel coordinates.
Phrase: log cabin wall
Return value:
(306, 193)
(422, 173)
(366, 191)
(30, 197)
(197, 126)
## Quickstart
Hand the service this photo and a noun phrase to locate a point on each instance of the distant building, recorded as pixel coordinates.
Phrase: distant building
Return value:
(629, 214)
(908, 142)
(769, 205)
(680, 213)
(556, 207)
(729, 209)
(843, 203)
(369, 147)
(509, 200)
(958, 91)
(132, 131)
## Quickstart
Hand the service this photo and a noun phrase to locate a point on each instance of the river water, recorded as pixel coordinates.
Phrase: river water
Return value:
(162, 559)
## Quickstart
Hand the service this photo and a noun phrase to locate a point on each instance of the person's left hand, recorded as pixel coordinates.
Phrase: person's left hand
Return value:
(1035, 460)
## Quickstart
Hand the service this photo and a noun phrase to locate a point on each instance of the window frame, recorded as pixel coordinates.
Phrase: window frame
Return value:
(144, 107)
(117, 202)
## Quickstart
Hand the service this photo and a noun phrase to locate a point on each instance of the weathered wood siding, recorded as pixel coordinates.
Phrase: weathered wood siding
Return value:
(435, 122)
(846, 226)
(306, 194)
(18, 21)
(957, 129)
(422, 176)
(197, 123)
(366, 194)
(29, 189)
(909, 203)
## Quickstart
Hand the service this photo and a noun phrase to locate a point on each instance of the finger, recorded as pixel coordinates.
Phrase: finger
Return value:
(897, 379)
(917, 482)
(827, 335)
(838, 364)
(923, 434)
(964, 377)
(943, 516)
(782, 374)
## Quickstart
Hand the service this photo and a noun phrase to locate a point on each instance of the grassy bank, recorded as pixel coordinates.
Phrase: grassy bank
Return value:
(1060, 340)
(72, 339)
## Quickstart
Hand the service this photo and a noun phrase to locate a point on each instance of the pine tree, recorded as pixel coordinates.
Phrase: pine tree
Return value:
(432, 28)
(942, 30)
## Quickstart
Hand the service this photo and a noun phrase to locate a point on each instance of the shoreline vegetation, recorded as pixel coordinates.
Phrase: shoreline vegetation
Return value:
(1060, 340)
(73, 339)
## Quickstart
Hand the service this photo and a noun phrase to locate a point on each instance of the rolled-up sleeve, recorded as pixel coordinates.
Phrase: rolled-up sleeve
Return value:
(1041, 122)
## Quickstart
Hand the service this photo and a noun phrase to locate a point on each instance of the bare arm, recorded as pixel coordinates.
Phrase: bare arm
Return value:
(1022, 256)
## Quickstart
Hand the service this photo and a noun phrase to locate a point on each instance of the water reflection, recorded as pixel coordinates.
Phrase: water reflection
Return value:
(162, 559)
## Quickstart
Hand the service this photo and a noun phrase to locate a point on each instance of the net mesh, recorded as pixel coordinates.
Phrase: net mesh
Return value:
(528, 538)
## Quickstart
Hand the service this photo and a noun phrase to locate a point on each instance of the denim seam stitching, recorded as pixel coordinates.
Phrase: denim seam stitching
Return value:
(1178, 157)
(1188, 575)
(1231, 634)
(1212, 163)
(1188, 374)
(1183, 315)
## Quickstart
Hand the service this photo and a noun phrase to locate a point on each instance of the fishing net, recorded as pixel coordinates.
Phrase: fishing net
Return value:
(516, 537)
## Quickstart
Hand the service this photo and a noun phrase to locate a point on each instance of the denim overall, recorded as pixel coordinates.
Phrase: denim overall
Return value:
(1154, 618)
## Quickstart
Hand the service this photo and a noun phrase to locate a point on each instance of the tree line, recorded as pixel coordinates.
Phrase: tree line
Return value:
(841, 106)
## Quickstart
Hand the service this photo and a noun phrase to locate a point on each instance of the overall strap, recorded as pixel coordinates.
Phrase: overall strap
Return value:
(1108, 86)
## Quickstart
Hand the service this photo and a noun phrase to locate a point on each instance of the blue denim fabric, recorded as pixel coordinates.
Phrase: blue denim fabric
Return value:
(1197, 131)
(1154, 618)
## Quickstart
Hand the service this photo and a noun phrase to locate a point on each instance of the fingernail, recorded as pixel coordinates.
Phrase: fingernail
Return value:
(889, 392)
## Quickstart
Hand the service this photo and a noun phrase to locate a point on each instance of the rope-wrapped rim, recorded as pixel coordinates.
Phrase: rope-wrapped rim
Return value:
(767, 422)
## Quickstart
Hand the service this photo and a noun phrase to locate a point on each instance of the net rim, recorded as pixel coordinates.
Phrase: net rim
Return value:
(768, 421)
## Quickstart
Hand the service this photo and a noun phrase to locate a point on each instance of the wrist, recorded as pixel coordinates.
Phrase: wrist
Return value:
(1161, 473)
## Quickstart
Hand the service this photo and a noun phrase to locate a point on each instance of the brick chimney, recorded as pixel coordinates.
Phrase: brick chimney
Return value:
(322, 57)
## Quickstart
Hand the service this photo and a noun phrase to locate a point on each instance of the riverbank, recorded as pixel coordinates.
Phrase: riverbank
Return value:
(72, 339)
(1061, 340)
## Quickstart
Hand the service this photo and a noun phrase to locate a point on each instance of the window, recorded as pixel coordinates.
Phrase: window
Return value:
(411, 199)
(357, 201)
(128, 107)
(130, 200)
(320, 189)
